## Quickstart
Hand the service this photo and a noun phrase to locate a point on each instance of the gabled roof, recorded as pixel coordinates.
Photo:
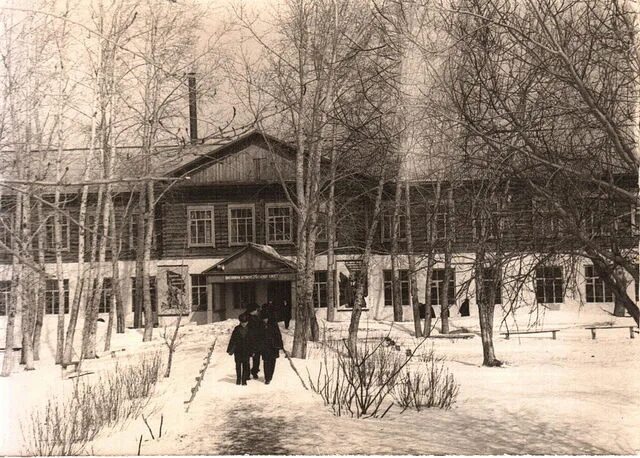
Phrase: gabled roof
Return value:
(206, 154)
(277, 262)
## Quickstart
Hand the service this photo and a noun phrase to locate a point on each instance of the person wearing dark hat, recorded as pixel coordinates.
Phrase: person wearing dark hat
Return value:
(241, 346)
(285, 310)
(253, 314)
(269, 343)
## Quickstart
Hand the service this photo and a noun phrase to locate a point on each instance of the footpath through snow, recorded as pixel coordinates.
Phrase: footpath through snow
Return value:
(572, 395)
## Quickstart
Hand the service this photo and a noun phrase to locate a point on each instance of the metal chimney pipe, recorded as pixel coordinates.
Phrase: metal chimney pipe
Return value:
(193, 108)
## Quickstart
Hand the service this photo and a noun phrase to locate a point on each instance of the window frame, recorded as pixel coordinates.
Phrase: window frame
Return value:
(597, 284)
(106, 295)
(318, 285)
(437, 285)
(196, 306)
(268, 233)
(5, 294)
(230, 208)
(544, 280)
(53, 293)
(50, 246)
(6, 229)
(196, 208)
(405, 287)
(387, 217)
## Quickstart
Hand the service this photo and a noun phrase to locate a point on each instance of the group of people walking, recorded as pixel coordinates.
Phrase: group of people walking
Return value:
(257, 337)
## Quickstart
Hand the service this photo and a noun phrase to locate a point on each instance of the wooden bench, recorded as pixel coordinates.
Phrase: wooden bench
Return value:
(552, 331)
(593, 330)
(458, 335)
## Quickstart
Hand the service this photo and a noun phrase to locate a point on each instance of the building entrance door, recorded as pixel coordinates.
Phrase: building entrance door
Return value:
(278, 292)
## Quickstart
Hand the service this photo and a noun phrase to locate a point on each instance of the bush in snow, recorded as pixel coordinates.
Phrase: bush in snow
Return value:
(427, 385)
(65, 427)
(358, 382)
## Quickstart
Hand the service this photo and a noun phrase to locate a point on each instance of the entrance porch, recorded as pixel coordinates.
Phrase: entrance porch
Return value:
(253, 274)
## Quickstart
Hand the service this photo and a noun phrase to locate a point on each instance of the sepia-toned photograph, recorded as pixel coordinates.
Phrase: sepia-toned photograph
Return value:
(319, 227)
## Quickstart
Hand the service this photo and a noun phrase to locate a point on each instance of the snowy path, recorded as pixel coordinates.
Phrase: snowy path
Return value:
(513, 410)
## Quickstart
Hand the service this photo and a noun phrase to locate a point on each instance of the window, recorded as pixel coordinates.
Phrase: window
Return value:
(133, 231)
(440, 226)
(6, 222)
(596, 288)
(152, 292)
(388, 287)
(545, 218)
(486, 221)
(599, 220)
(89, 225)
(279, 224)
(491, 279)
(549, 285)
(52, 298)
(320, 289)
(241, 224)
(200, 226)
(5, 296)
(104, 306)
(199, 293)
(387, 226)
(50, 239)
(437, 285)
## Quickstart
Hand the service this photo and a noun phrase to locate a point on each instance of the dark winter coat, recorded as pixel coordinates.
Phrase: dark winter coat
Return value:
(285, 312)
(268, 340)
(241, 344)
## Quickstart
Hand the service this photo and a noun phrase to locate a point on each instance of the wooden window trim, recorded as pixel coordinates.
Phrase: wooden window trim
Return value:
(50, 246)
(267, 234)
(389, 214)
(546, 279)
(253, 218)
(210, 208)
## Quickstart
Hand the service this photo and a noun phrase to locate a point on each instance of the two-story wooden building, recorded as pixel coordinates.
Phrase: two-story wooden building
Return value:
(226, 226)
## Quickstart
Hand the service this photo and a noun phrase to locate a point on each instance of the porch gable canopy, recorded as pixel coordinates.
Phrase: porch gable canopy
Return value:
(250, 263)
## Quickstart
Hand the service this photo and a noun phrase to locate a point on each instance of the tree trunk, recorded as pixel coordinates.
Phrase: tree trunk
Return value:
(60, 278)
(331, 235)
(39, 317)
(300, 332)
(140, 235)
(485, 312)
(619, 291)
(89, 346)
(364, 271)
(396, 287)
(149, 318)
(116, 287)
(8, 361)
(444, 311)
(81, 279)
(27, 296)
(427, 296)
(112, 313)
(314, 329)
(413, 283)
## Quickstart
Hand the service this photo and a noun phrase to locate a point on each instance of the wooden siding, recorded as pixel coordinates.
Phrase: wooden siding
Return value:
(254, 164)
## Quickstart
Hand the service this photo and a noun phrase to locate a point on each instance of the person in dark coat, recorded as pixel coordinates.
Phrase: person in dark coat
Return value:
(253, 312)
(464, 308)
(285, 311)
(241, 347)
(269, 344)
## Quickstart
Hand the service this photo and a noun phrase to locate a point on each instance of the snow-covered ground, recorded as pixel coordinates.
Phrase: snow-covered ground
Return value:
(573, 395)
